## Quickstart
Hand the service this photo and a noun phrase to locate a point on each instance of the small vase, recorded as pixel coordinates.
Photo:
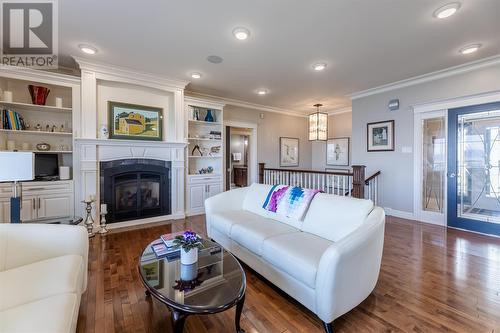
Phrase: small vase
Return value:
(209, 117)
(189, 272)
(189, 257)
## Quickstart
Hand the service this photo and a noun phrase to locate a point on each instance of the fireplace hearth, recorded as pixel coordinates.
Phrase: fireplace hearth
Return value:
(135, 188)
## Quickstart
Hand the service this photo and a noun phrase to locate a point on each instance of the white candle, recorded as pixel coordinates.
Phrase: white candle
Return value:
(104, 209)
(59, 102)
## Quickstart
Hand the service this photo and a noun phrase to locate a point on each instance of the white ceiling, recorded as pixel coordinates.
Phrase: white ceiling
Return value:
(366, 43)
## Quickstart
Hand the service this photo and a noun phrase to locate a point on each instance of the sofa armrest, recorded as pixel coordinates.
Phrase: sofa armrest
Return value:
(223, 202)
(349, 269)
(28, 243)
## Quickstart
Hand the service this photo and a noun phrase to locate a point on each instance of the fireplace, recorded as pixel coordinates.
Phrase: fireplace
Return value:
(135, 188)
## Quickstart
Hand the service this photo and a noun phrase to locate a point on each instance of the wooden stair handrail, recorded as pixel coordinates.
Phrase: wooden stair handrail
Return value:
(376, 174)
(312, 171)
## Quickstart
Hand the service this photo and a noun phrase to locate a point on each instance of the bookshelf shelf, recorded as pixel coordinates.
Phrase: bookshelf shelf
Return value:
(27, 106)
(8, 131)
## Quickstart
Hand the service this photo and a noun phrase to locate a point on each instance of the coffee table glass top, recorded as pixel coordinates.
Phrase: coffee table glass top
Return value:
(215, 283)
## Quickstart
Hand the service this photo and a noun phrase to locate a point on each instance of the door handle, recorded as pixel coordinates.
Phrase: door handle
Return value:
(38, 203)
(34, 204)
(451, 175)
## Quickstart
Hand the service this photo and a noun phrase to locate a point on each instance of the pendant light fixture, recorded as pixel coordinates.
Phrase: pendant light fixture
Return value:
(318, 125)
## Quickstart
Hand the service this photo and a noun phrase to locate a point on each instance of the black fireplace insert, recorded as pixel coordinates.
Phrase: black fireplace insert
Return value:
(135, 188)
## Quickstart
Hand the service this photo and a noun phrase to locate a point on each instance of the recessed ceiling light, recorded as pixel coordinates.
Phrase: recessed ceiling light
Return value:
(87, 49)
(447, 10)
(319, 66)
(262, 91)
(470, 49)
(241, 33)
(196, 75)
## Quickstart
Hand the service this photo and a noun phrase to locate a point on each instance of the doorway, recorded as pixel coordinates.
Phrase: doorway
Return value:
(474, 168)
(237, 159)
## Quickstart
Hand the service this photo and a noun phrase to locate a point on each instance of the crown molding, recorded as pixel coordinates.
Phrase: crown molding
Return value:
(444, 73)
(110, 72)
(30, 74)
(347, 109)
(249, 105)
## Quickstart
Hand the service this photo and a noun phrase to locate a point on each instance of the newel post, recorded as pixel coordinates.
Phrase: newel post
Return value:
(261, 172)
(358, 181)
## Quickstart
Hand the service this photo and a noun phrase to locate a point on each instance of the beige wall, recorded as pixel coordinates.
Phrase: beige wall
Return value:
(339, 125)
(270, 129)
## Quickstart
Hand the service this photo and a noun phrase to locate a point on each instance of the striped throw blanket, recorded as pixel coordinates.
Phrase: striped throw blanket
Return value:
(289, 201)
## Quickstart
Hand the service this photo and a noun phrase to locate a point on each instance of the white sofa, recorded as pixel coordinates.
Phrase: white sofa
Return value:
(43, 273)
(329, 261)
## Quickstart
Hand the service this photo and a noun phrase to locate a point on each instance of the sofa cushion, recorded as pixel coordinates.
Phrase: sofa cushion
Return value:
(333, 217)
(297, 254)
(56, 314)
(224, 221)
(252, 234)
(42, 279)
(254, 200)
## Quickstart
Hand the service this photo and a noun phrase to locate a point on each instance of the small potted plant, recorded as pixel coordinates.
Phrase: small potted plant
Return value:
(189, 242)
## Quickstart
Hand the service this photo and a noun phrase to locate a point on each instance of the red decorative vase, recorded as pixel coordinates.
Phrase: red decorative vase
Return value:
(38, 94)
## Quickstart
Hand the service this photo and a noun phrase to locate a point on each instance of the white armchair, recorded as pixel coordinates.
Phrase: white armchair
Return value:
(43, 272)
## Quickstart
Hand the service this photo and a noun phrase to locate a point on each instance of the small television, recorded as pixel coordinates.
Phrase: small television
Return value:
(46, 166)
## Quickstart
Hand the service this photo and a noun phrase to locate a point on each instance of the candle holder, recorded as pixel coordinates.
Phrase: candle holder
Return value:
(89, 220)
(103, 229)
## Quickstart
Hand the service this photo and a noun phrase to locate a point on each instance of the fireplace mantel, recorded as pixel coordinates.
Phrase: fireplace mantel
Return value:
(90, 152)
(135, 143)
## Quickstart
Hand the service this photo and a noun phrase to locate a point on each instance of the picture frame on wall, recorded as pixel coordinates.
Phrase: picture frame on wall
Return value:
(134, 122)
(380, 136)
(289, 152)
(337, 151)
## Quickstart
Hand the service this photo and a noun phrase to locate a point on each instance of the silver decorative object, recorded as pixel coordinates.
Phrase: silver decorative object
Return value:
(89, 220)
(103, 229)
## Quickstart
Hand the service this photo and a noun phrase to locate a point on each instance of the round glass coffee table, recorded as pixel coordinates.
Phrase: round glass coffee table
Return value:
(214, 284)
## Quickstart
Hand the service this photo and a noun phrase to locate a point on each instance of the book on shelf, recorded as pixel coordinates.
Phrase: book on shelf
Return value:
(11, 120)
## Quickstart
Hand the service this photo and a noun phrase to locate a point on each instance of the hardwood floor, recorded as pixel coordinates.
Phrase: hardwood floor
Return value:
(432, 280)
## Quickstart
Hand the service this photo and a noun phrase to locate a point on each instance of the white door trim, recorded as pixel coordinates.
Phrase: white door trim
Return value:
(488, 97)
(418, 212)
(252, 163)
(432, 110)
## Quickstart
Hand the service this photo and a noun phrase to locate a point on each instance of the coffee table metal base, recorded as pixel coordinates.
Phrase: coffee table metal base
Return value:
(179, 317)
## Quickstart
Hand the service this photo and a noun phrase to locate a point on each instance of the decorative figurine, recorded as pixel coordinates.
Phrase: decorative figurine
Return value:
(104, 211)
(89, 220)
(104, 132)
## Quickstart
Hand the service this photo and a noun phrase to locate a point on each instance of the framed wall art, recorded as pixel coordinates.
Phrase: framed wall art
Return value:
(289, 152)
(380, 136)
(337, 151)
(134, 122)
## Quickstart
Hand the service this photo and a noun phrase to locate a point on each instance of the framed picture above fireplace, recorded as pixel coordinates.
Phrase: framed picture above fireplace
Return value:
(134, 122)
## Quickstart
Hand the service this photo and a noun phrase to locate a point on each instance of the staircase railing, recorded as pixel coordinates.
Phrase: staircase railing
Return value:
(348, 183)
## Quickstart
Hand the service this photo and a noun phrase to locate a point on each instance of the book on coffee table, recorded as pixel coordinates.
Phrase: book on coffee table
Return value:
(162, 251)
(168, 239)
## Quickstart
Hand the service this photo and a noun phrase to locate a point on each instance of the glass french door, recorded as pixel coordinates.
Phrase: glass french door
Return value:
(474, 168)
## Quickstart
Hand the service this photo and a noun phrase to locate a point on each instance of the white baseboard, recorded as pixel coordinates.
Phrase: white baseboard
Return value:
(399, 213)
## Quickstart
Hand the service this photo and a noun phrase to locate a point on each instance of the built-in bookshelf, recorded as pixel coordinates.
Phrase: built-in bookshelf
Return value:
(204, 140)
(205, 151)
(30, 124)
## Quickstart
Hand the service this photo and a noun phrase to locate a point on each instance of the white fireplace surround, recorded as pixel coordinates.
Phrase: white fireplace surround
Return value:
(90, 152)
(101, 83)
